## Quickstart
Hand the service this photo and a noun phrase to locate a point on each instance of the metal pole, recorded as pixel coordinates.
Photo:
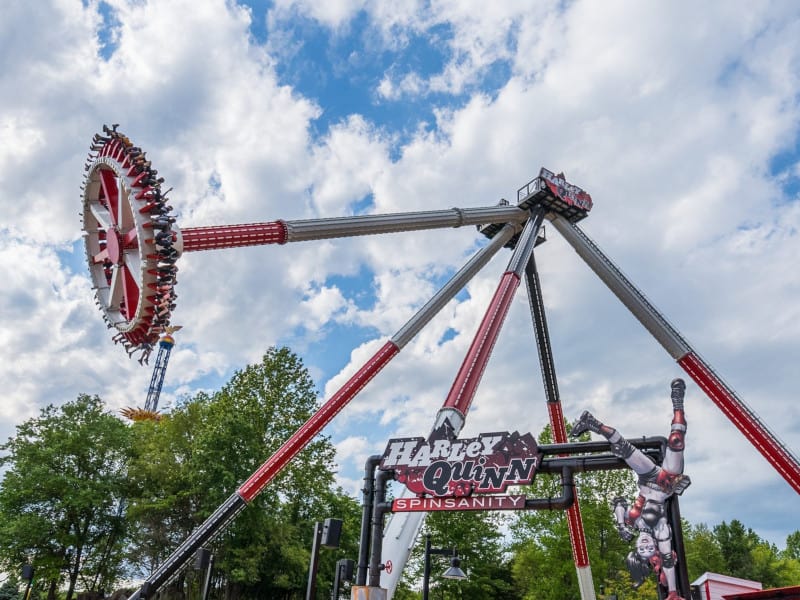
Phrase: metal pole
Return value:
(404, 531)
(366, 518)
(469, 375)
(427, 572)
(336, 582)
(207, 579)
(742, 416)
(194, 239)
(682, 572)
(580, 554)
(311, 589)
(379, 509)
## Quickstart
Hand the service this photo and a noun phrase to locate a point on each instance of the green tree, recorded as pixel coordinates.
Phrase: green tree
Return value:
(749, 557)
(737, 545)
(10, 590)
(166, 497)
(792, 546)
(59, 500)
(788, 572)
(771, 568)
(479, 540)
(192, 460)
(703, 551)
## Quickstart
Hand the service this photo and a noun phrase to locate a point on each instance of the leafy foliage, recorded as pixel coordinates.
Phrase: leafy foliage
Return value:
(10, 590)
(188, 463)
(478, 538)
(703, 551)
(59, 501)
(90, 500)
(747, 556)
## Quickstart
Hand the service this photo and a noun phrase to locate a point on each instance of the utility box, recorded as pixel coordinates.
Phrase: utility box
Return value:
(363, 592)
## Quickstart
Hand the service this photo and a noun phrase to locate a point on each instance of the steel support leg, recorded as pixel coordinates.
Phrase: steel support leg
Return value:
(577, 538)
(733, 407)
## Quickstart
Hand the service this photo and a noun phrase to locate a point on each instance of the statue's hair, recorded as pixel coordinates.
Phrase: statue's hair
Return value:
(638, 568)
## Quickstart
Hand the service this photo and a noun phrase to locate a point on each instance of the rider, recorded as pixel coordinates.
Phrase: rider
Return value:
(656, 483)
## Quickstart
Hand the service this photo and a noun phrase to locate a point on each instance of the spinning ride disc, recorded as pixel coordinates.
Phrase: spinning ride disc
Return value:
(131, 241)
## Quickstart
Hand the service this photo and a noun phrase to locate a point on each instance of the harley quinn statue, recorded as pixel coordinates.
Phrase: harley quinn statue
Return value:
(648, 513)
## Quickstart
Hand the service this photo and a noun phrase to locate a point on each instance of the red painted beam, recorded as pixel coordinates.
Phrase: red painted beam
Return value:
(744, 420)
(266, 472)
(580, 554)
(233, 236)
(469, 375)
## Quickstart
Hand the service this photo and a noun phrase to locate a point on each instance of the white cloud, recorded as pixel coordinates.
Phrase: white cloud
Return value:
(334, 14)
(321, 307)
(353, 446)
(348, 162)
(409, 84)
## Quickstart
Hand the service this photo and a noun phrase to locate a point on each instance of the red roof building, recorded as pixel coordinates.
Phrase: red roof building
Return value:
(784, 593)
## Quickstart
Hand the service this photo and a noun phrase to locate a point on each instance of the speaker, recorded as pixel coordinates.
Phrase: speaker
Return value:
(331, 532)
(347, 567)
(27, 572)
(202, 559)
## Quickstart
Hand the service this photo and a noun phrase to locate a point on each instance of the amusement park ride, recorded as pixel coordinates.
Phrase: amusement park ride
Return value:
(150, 410)
(133, 244)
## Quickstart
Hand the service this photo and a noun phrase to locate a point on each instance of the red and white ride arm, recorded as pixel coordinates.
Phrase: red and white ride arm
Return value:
(745, 420)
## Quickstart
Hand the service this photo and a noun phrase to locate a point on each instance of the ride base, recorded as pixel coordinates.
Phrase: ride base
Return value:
(365, 592)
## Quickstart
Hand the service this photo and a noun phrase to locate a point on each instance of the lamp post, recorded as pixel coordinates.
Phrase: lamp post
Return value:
(204, 561)
(454, 572)
(326, 534)
(344, 572)
(27, 575)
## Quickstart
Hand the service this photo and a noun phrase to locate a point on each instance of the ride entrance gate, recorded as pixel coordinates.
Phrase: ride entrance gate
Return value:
(133, 243)
(506, 460)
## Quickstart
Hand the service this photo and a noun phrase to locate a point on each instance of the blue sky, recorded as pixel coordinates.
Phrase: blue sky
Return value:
(685, 132)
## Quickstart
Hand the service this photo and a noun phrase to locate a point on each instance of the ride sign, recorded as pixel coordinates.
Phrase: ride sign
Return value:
(442, 466)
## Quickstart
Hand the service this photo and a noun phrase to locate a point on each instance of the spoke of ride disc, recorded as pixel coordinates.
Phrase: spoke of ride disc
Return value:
(100, 257)
(132, 259)
(103, 218)
(131, 291)
(130, 240)
(100, 212)
(116, 291)
(111, 192)
(125, 221)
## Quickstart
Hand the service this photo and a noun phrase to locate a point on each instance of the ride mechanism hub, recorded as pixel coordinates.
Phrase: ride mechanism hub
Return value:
(132, 242)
